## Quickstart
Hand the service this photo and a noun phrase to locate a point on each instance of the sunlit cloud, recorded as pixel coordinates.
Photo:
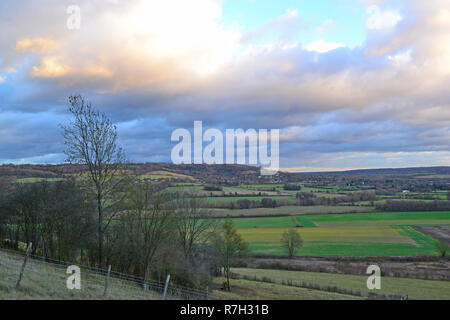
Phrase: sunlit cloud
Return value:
(36, 45)
(51, 67)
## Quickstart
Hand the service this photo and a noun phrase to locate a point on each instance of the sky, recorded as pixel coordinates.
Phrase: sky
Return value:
(350, 83)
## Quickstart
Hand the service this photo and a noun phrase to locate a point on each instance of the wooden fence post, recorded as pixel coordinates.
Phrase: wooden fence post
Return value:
(42, 245)
(23, 266)
(165, 287)
(43, 251)
(107, 280)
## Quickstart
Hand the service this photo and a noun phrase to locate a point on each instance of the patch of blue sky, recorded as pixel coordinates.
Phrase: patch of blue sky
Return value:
(338, 21)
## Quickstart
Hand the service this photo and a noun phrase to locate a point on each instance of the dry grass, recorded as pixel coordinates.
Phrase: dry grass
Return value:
(42, 281)
(253, 290)
(414, 288)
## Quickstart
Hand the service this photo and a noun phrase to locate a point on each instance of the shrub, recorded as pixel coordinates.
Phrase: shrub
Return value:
(442, 248)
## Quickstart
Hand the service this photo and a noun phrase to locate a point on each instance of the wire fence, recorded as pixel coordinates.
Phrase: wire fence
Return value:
(52, 274)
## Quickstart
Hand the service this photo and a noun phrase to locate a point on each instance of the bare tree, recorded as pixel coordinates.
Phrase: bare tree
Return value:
(54, 215)
(147, 224)
(91, 139)
(291, 241)
(193, 226)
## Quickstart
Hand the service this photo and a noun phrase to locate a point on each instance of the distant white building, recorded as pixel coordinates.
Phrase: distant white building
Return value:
(406, 191)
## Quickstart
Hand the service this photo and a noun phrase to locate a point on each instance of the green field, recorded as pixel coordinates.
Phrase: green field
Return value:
(382, 216)
(269, 222)
(360, 234)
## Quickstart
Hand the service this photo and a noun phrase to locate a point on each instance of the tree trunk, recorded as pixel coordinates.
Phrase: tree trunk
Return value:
(100, 230)
(227, 272)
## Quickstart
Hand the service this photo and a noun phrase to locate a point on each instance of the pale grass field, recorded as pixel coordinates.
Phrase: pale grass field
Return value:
(382, 233)
(254, 290)
(414, 288)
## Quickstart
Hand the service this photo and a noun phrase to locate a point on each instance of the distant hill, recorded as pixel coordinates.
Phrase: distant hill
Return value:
(414, 171)
(221, 174)
(224, 174)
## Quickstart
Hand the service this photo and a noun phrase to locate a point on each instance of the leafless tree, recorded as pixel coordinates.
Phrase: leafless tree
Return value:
(193, 226)
(148, 223)
(91, 139)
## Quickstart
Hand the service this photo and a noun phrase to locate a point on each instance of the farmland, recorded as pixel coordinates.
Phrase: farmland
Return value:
(339, 221)
(289, 211)
(374, 234)
(345, 223)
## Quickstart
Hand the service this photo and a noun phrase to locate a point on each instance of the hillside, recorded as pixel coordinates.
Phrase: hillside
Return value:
(44, 280)
(414, 171)
(228, 174)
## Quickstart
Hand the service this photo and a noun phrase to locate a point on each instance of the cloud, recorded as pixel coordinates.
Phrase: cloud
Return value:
(153, 69)
(378, 19)
(401, 59)
(136, 43)
(51, 67)
(36, 45)
(322, 46)
(285, 28)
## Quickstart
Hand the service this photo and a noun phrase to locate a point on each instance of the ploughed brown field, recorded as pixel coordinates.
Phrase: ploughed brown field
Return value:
(441, 233)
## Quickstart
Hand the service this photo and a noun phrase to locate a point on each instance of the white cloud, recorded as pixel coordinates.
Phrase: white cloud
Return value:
(401, 59)
(378, 19)
(323, 46)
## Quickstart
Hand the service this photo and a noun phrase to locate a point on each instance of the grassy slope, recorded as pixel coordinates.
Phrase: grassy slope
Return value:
(43, 281)
(414, 288)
